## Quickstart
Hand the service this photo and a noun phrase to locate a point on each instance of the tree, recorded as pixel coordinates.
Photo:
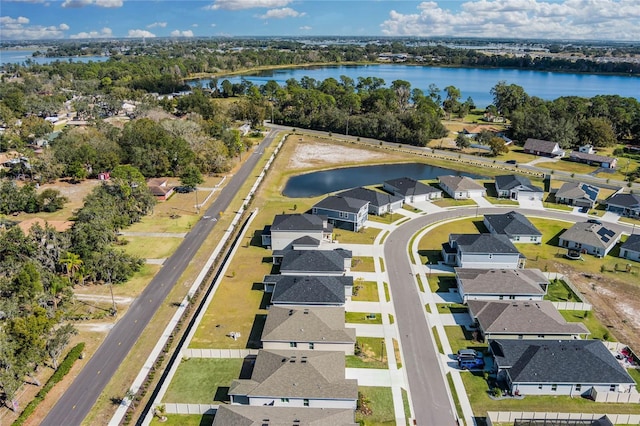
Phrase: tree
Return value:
(597, 131)
(498, 146)
(508, 98)
(71, 262)
(58, 341)
(191, 177)
(462, 141)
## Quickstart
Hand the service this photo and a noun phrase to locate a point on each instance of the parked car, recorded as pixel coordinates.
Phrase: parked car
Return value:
(470, 363)
(468, 354)
(596, 221)
(511, 161)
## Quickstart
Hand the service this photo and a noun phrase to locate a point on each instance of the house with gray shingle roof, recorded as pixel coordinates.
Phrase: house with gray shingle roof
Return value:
(379, 202)
(313, 262)
(536, 319)
(577, 194)
(243, 415)
(630, 249)
(514, 225)
(515, 186)
(558, 367)
(461, 187)
(501, 284)
(343, 212)
(589, 237)
(600, 160)
(411, 190)
(625, 205)
(543, 148)
(319, 328)
(293, 378)
(308, 290)
(288, 229)
(483, 251)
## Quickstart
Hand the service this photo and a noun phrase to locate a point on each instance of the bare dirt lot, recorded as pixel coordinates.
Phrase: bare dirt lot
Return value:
(616, 302)
(314, 154)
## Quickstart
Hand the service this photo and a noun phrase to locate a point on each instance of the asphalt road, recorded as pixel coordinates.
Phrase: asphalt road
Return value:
(77, 401)
(429, 394)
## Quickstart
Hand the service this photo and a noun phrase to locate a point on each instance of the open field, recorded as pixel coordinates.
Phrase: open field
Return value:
(151, 247)
(203, 380)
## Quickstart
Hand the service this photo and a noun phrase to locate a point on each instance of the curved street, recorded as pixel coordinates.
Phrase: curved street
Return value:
(427, 386)
(79, 398)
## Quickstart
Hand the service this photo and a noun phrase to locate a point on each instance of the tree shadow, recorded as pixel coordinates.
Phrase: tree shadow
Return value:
(255, 336)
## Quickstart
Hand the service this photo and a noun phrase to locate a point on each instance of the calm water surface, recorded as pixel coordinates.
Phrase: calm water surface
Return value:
(318, 183)
(20, 56)
(474, 82)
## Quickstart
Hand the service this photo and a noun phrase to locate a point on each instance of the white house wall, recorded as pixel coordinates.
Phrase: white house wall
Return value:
(299, 402)
(347, 348)
(562, 389)
(630, 254)
(488, 261)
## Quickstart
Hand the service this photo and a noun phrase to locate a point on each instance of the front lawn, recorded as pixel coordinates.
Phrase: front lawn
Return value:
(203, 380)
(370, 353)
(379, 402)
(461, 338)
(365, 291)
(362, 264)
(442, 283)
(386, 218)
(366, 235)
(363, 318)
(450, 202)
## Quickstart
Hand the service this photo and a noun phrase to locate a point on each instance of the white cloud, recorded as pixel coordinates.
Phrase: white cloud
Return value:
(103, 33)
(157, 24)
(99, 3)
(246, 4)
(305, 28)
(214, 25)
(25, 1)
(18, 29)
(140, 34)
(567, 19)
(285, 12)
(178, 33)
(194, 25)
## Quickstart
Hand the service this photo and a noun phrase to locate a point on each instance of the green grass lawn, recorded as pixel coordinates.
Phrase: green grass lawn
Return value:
(380, 402)
(386, 218)
(362, 264)
(405, 404)
(184, 420)
(476, 387)
(635, 375)
(151, 247)
(430, 245)
(460, 338)
(452, 308)
(387, 295)
(372, 354)
(365, 291)
(450, 202)
(436, 336)
(568, 166)
(364, 236)
(442, 283)
(597, 329)
(558, 291)
(502, 201)
(363, 318)
(454, 395)
(203, 380)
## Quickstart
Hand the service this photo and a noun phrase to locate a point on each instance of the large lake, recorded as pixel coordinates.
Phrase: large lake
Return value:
(474, 82)
(20, 56)
(318, 183)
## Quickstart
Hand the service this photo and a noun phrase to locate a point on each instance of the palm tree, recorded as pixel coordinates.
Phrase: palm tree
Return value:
(72, 263)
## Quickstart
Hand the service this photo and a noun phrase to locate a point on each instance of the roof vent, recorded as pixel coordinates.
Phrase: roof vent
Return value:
(306, 312)
(290, 312)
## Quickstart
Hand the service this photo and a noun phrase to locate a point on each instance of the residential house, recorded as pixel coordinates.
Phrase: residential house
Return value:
(379, 202)
(514, 225)
(411, 190)
(482, 251)
(318, 328)
(245, 415)
(461, 187)
(599, 160)
(558, 367)
(501, 284)
(474, 131)
(625, 205)
(586, 149)
(543, 148)
(313, 262)
(523, 319)
(293, 378)
(517, 186)
(321, 290)
(631, 248)
(343, 212)
(304, 229)
(577, 194)
(590, 237)
(160, 188)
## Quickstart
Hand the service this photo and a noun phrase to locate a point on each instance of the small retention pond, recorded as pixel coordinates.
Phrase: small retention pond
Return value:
(324, 182)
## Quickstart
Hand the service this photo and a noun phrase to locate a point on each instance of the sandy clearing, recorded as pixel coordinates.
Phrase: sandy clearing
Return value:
(318, 153)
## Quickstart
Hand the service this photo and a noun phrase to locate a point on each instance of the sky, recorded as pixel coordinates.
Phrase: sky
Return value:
(526, 19)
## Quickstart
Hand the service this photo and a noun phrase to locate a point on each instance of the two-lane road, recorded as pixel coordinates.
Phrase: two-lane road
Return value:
(77, 401)
(431, 403)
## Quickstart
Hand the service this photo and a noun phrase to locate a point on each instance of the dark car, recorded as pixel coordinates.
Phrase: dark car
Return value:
(597, 222)
(511, 162)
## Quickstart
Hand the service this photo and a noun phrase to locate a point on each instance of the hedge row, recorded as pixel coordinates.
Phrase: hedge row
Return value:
(63, 369)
